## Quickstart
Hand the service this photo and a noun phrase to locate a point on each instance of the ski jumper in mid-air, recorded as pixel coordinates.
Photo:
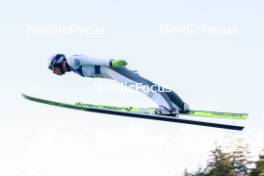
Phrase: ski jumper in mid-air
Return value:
(169, 103)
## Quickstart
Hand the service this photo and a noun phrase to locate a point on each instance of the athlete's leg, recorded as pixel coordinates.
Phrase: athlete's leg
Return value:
(174, 98)
(183, 107)
(128, 77)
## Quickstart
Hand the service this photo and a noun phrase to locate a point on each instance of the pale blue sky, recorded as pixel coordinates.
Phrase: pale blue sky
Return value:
(210, 72)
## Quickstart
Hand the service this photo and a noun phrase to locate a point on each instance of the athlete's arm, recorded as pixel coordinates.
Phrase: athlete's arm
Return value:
(82, 60)
(76, 61)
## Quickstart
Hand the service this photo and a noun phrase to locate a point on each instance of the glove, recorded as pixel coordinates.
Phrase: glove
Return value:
(118, 63)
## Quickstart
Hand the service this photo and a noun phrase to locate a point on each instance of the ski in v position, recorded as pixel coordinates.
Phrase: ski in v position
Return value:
(149, 113)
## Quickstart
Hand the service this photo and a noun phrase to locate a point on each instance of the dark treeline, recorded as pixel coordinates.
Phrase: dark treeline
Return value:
(231, 163)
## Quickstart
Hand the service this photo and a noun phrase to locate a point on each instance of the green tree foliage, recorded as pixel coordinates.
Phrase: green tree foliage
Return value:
(240, 159)
(235, 162)
(259, 170)
(220, 163)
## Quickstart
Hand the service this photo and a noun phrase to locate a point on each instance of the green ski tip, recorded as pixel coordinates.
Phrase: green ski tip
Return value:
(225, 115)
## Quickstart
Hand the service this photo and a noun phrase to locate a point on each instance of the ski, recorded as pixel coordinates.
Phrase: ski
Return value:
(151, 110)
(147, 115)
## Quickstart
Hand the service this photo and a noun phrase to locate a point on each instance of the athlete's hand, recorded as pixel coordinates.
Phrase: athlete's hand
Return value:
(118, 63)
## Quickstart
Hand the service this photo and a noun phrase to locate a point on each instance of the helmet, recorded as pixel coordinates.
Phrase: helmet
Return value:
(56, 60)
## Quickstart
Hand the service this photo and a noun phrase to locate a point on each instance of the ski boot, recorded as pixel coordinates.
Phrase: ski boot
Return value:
(164, 111)
(186, 109)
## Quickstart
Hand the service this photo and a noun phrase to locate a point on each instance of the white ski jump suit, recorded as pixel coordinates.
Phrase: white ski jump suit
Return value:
(100, 68)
